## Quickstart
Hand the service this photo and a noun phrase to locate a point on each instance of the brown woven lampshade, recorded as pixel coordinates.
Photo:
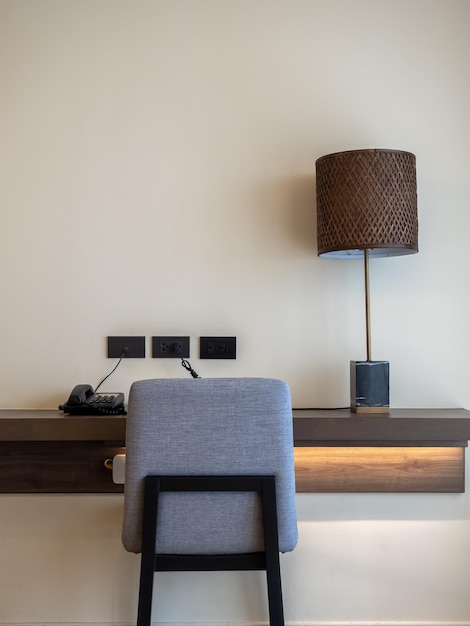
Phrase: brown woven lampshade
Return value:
(367, 200)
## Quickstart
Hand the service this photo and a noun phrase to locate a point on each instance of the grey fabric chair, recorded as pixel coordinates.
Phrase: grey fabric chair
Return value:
(209, 480)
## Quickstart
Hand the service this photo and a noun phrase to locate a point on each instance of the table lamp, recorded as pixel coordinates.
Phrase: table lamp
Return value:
(367, 207)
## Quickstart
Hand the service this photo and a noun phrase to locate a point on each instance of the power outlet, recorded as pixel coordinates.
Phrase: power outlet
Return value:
(131, 347)
(217, 347)
(170, 347)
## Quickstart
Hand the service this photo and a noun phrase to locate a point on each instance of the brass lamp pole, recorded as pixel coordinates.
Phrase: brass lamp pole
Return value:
(366, 290)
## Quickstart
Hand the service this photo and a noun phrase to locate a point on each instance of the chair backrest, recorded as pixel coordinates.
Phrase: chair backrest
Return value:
(219, 426)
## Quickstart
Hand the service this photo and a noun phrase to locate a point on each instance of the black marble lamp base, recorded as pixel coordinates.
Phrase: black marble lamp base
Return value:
(370, 385)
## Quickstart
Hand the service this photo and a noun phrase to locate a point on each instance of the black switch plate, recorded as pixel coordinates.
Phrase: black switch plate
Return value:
(217, 347)
(131, 347)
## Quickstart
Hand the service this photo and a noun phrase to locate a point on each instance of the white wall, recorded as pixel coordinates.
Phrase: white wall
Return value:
(158, 162)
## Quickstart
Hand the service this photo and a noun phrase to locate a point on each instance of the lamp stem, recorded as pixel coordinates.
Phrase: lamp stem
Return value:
(366, 279)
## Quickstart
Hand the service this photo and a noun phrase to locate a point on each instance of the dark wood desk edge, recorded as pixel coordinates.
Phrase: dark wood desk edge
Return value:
(402, 427)
(46, 425)
(311, 428)
(434, 413)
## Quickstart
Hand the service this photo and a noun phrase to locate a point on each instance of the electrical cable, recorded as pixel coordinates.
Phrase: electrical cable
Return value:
(187, 366)
(113, 370)
(321, 408)
(184, 362)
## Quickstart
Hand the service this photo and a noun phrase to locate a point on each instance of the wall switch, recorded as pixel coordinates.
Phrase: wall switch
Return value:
(131, 347)
(217, 347)
(170, 347)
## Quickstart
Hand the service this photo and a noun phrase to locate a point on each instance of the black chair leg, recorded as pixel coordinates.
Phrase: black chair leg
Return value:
(147, 564)
(276, 609)
(273, 568)
(144, 611)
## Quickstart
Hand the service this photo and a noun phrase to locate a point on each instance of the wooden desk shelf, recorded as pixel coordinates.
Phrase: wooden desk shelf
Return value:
(412, 450)
(47, 452)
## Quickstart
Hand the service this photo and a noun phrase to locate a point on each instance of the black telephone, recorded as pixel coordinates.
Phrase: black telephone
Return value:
(84, 401)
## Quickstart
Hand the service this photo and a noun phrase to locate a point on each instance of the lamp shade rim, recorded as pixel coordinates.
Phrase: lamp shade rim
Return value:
(374, 252)
(363, 151)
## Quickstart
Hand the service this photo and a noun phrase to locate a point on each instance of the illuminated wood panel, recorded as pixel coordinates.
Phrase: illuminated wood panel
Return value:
(380, 469)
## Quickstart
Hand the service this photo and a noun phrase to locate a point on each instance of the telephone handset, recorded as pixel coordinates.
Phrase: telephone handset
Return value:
(84, 401)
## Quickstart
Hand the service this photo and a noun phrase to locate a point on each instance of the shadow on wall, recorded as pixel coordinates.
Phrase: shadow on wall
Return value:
(288, 215)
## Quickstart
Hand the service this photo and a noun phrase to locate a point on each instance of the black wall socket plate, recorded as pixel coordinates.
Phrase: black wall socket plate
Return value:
(170, 347)
(217, 347)
(131, 347)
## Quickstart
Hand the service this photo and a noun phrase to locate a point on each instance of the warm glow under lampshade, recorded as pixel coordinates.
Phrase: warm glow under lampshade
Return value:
(367, 200)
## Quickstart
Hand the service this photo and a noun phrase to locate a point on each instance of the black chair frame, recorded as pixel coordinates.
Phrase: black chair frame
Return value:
(267, 560)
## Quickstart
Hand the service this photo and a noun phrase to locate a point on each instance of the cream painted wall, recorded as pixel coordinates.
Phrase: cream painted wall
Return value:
(157, 163)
